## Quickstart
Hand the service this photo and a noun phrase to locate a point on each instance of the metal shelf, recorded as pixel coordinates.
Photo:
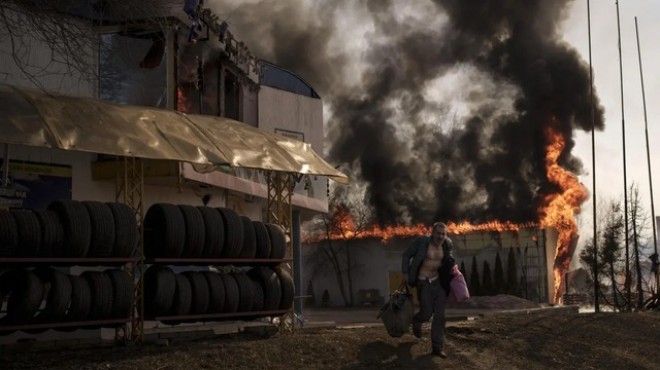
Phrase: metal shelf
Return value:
(54, 325)
(204, 317)
(214, 261)
(68, 261)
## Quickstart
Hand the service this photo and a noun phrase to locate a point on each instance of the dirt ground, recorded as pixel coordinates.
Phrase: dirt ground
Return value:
(542, 339)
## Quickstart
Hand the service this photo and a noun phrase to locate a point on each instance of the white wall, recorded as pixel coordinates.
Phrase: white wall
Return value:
(283, 110)
(279, 109)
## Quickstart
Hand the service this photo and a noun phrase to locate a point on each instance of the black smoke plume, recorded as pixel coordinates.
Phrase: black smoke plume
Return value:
(486, 164)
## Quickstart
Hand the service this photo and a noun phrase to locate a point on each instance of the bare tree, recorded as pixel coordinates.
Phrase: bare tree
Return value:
(588, 262)
(68, 33)
(639, 219)
(610, 254)
(340, 228)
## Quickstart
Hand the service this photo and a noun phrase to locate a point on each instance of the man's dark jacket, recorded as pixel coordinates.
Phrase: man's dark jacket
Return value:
(415, 254)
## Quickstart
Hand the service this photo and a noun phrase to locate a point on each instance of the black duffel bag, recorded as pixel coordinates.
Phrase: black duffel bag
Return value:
(397, 313)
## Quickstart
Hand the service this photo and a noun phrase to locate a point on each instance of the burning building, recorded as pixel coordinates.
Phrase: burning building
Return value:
(553, 238)
(371, 260)
(504, 155)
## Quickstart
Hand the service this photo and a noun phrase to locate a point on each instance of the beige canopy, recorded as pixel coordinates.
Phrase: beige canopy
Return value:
(36, 118)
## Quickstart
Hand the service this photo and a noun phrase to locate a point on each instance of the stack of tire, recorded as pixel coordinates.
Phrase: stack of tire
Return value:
(213, 236)
(45, 295)
(184, 231)
(257, 290)
(69, 228)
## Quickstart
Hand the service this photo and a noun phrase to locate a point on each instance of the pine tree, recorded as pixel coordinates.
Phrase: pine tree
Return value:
(487, 280)
(500, 284)
(512, 274)
(475, 286)
(311, 298)
(325, 298)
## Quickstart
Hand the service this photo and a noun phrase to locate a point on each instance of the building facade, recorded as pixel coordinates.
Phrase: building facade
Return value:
(376, 265)
(158, 64)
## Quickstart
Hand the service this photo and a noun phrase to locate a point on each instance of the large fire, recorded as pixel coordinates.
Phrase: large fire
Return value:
(558, 211)
(343, 227)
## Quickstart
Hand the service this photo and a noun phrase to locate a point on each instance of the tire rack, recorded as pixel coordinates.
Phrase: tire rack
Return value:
(65, 261)
(280, 191)
(129, 189)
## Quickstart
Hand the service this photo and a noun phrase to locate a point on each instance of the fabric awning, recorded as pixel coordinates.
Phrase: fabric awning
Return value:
(35, 118)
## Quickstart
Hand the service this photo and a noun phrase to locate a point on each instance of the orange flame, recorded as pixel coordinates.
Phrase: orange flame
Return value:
(498, 226)
(343, 227)
(559, 209)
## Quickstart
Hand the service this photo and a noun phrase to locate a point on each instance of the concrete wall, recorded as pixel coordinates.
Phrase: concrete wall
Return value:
(283, 110)
(371, 270)
(378, 265)
(299, 117)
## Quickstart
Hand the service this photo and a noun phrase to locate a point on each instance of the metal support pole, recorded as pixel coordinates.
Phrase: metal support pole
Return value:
(280, 191)
(593, 166)
(5, 167)
(200, 84)
(625, 178)
(648, 153)
(130, 191)
(171, 72)
(297, 263)
(221, 90)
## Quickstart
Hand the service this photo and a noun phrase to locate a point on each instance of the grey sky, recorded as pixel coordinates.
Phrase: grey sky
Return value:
(609, 146)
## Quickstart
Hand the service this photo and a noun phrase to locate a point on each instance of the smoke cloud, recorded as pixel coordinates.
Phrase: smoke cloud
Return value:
(438, 107)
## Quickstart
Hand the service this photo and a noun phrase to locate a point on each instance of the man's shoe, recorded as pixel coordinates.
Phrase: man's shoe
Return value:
(439, 353)
(417, 328)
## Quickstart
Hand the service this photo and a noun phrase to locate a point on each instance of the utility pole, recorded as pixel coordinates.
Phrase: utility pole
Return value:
(625, 180)
(593, 165)
(648, 152)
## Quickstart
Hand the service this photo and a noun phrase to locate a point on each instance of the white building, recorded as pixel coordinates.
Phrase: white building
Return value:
(152, 63)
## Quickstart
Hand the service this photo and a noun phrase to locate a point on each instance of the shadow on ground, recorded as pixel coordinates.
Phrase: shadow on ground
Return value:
(379, 355)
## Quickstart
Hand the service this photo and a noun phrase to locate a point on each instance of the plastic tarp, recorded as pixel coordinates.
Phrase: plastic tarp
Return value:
(36, 118)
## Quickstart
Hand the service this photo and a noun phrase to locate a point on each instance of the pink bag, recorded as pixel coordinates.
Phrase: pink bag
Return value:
(459, 290)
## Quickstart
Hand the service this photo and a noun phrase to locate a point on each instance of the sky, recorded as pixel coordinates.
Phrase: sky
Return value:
(605, 60)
